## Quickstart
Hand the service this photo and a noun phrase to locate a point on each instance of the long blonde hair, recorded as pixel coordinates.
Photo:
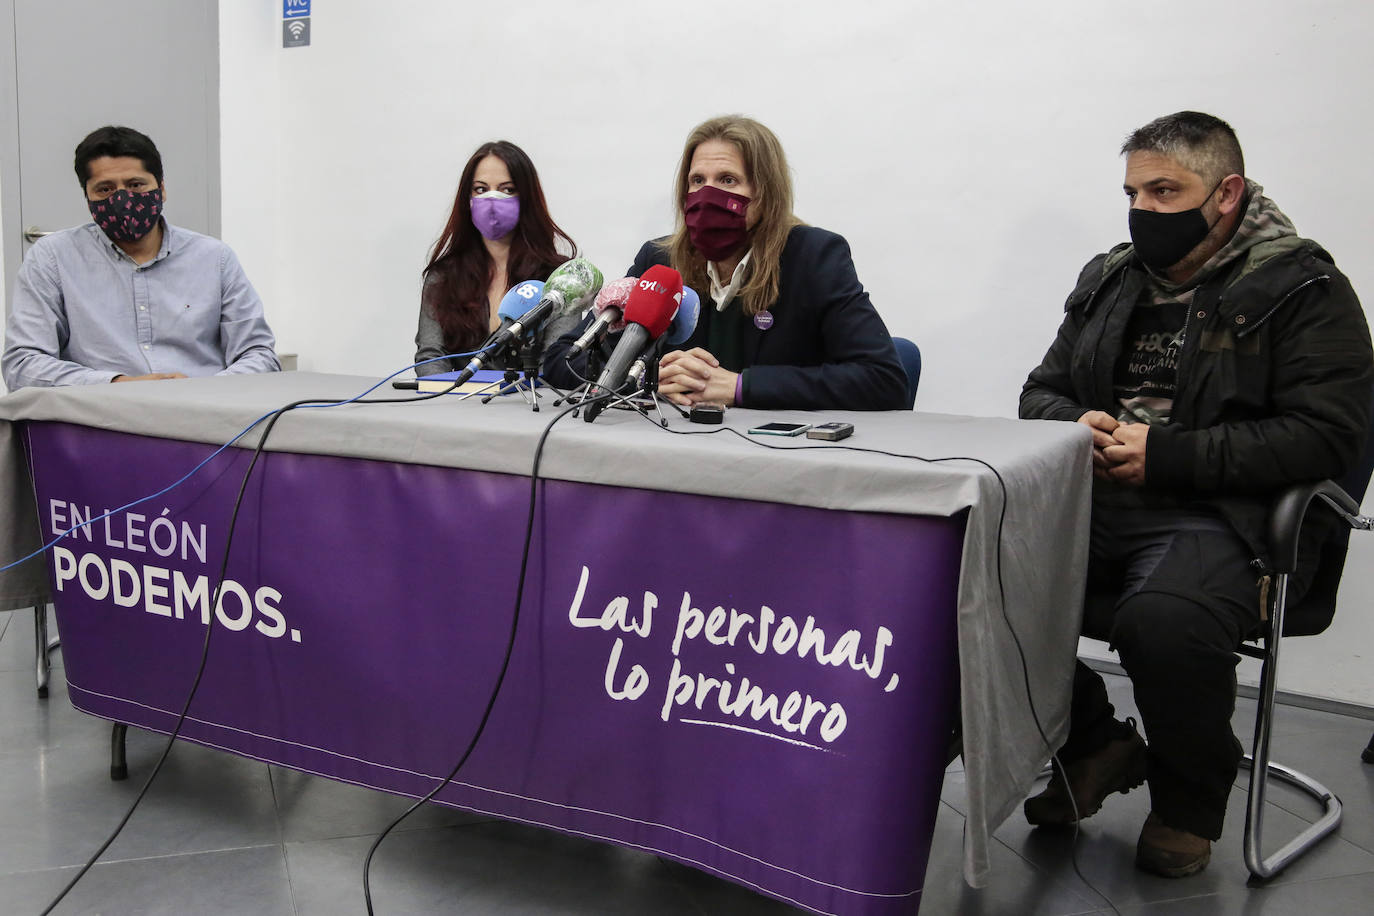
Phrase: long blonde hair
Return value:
(765, 167)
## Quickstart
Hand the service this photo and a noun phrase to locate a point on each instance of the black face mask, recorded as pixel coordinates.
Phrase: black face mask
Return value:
(1163, 239)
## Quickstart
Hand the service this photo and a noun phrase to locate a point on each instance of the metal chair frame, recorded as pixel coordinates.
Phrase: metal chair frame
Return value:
(1285, 524)
(43, 647)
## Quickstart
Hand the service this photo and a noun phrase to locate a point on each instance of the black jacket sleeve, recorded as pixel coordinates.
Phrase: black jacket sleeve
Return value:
(1320, 379)
(1049, 392)
(556, 369)
(828, 348)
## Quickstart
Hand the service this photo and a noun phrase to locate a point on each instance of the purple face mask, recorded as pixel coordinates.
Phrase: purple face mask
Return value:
(495, 217)
(125, 216)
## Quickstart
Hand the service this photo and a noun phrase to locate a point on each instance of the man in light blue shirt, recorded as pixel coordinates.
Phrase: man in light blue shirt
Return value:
(129, 296)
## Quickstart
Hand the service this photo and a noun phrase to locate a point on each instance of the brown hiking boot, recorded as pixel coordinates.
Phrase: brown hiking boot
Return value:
(1170, 853)
(1118, 766)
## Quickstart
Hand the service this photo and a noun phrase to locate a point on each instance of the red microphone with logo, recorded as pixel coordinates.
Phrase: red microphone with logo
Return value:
(649, 310)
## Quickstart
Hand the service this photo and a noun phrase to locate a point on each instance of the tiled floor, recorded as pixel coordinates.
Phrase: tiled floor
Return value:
(218, 834)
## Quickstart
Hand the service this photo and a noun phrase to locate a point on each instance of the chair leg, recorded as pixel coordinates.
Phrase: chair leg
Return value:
(1367, 755)
(119, 765)
(1261, 769)
(43, 646)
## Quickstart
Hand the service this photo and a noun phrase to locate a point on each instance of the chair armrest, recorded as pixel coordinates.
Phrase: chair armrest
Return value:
(1290, 508)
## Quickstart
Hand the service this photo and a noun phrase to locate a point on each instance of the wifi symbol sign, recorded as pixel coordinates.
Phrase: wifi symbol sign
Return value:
(295, 33)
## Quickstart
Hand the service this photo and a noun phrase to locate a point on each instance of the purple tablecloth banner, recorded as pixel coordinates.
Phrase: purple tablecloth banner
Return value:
(759, 690)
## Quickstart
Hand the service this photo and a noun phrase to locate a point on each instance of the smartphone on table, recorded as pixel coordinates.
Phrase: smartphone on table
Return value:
(780, 429)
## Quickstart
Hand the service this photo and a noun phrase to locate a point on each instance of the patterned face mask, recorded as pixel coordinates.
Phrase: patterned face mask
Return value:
(125, 216)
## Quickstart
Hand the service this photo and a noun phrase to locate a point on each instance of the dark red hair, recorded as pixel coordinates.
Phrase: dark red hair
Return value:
(459, 270)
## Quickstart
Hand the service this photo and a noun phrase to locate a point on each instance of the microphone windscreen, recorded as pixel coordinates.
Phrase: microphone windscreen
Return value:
(614, 295)
(520, 299)
(576, 282)
(685, 321)
(654, 300)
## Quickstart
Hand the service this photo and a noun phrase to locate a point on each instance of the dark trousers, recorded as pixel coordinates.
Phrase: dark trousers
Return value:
(1182, 595)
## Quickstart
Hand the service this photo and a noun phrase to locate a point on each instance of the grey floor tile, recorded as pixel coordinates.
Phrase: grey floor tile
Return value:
(1105, 851)
(28, 723)
(314, 808)
(219, 834)
(228, 882)
(1297, 720)
(710, 894)
(1347, 895)
(482, 869)
(17, 644)
(59, 804)
(1327, 748)
(1015, 885)
(1106, 844)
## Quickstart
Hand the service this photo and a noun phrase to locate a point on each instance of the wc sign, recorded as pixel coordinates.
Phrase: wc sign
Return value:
(295, 23)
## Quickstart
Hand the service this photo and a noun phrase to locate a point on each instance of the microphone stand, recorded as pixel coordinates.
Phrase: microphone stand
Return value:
(527, 358)
(595, 363)
(650, 386)
(642, 379)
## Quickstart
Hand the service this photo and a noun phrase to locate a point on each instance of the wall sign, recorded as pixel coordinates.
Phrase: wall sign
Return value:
(295, 23)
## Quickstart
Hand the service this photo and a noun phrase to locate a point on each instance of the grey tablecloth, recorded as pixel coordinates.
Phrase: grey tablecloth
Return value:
(1045, 466)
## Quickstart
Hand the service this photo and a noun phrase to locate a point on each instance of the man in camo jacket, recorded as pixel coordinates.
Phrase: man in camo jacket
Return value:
(1216, 359)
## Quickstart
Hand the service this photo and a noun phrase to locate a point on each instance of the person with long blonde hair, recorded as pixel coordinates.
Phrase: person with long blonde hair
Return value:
(785, 322)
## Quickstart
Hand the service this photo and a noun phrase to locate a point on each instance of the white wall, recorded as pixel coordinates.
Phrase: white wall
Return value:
(3, 297)
(967, 151)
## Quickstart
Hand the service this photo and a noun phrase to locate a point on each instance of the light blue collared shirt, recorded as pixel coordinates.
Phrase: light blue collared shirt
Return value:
(83, 312)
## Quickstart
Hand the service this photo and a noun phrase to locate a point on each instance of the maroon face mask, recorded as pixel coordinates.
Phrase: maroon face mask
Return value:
(126, 216)
(715, 221)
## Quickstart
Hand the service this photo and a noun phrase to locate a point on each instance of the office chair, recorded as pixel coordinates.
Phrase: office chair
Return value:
(910, 355)
(43, 647)
(1307, 617)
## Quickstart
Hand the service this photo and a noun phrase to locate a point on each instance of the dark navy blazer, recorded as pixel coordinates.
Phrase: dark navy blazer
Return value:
(826, 349)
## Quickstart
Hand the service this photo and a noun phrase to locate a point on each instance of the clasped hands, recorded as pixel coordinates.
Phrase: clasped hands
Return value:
(689, 377)
(1118, 448)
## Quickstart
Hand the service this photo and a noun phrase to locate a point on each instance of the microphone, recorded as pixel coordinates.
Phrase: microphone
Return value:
(515, 303)
(685, 321)
(649, 310)
(678, 333)
(610, 311)
(569, 289)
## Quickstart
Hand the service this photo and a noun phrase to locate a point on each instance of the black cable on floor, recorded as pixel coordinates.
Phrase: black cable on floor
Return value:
(200, 670)
(505, 660)
(272, 419)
